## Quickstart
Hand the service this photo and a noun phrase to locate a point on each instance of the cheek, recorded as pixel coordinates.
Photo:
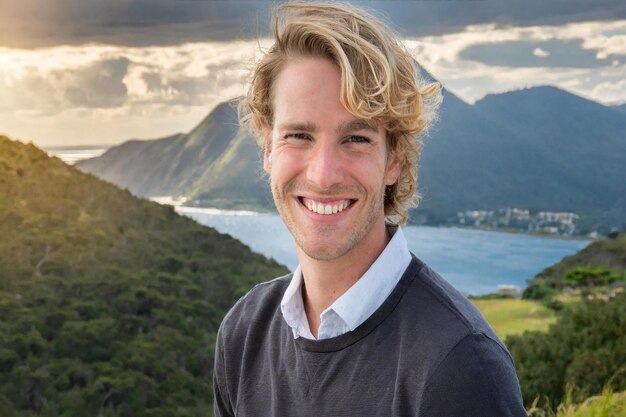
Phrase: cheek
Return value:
(285, 166)
(366, 170)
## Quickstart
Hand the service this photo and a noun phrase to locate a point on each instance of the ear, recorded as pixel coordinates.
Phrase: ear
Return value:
(394, 166)
(267, 150)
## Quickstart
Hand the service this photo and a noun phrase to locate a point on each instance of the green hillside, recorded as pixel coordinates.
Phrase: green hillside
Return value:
(509, 316)
(603, 262)
(608, 404)
(109, 304)
(215, 165)
(583, 351)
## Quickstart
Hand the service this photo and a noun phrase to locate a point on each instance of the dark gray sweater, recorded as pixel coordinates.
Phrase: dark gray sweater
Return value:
(426, 351)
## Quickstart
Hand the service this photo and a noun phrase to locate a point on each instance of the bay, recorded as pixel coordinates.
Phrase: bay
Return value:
(474, 261)
(72, 154)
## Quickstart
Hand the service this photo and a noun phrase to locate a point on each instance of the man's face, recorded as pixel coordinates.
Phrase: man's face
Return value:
(328, 168)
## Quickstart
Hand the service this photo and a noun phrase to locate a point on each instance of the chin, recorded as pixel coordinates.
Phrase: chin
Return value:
(324, 252)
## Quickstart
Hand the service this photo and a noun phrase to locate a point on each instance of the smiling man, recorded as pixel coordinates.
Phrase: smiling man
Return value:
(362, 327)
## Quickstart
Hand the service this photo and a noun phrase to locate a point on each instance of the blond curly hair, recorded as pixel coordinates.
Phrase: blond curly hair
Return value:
(379, 81)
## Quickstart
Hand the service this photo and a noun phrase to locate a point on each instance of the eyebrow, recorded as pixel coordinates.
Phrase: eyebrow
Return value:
(303, 127)
(354, 125)
(359, 124)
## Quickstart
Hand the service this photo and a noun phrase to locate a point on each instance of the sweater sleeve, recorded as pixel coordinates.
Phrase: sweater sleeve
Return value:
(477, 378)
(221, 399)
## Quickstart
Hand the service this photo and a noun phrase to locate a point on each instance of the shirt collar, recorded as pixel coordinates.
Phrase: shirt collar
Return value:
(372, 289)
(361, 300)
(292, 307)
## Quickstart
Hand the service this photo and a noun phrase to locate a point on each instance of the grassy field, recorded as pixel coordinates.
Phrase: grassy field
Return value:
(514, 316)
(608, 404)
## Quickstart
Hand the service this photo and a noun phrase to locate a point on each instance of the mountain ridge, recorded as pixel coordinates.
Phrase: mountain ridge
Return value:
(529, 148)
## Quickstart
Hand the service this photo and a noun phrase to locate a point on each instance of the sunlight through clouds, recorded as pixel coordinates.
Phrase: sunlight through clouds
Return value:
(58, 95)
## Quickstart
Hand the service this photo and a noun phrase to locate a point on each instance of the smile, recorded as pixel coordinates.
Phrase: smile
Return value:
(328, 207)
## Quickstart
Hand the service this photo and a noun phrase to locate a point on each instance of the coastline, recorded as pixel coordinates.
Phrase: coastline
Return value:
(516, 232)
(253, 209)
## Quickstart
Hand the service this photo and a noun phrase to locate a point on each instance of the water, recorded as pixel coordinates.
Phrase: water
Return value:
(72, 154)
(474, 261)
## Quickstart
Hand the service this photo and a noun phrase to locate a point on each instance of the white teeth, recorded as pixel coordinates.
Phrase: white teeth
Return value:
(320, 208)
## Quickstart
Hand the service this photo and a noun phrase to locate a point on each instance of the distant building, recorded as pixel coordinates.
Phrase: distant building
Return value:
(507, 290)
(556, 223)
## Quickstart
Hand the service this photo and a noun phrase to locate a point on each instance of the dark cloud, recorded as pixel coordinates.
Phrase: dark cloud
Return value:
(37, 23)
(154, 82)
(40, 23)
(175, 88)
(188, 91)
(98, 85)
(566, 53)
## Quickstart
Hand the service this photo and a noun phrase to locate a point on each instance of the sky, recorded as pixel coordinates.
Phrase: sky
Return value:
(78, 72)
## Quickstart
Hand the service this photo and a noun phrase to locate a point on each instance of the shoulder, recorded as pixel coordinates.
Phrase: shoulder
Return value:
(434, 307)
(260, 305)
(447, 308)
(470, 370)
(476, 377)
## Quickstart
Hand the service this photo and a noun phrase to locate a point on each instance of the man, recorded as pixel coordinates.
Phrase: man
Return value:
(362, 327)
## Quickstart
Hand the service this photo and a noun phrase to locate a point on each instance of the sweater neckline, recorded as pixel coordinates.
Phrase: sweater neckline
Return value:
(340, 342)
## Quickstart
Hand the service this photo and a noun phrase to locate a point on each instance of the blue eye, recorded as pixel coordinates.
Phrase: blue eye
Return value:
(297, 136)
(358, 139)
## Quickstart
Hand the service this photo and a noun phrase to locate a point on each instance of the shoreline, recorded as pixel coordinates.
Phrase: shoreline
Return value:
(515, 232)
(256, 211)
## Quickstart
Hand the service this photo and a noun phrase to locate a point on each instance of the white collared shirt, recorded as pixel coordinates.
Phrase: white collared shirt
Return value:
(355, 305)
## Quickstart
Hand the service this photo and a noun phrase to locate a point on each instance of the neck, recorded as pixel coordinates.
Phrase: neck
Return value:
(326, 281)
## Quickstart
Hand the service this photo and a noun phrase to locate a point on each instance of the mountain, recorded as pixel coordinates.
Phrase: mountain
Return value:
(216, 165)
(109, 304)
(541, 148)
(620, 108)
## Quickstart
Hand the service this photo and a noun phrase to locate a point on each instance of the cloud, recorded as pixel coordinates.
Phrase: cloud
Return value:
(488, 58)
(59, 94)
(105, 94)
(49, 90)
(54, 79)
(44, 23)
(533, 53)
(612, 87)
(98, 85)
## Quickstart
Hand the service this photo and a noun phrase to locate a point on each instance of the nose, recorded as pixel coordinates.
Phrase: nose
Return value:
(324, 167)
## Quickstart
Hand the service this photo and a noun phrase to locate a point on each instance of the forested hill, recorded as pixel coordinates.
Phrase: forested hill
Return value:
(584, 352)
(602, 260)
(109, 304)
